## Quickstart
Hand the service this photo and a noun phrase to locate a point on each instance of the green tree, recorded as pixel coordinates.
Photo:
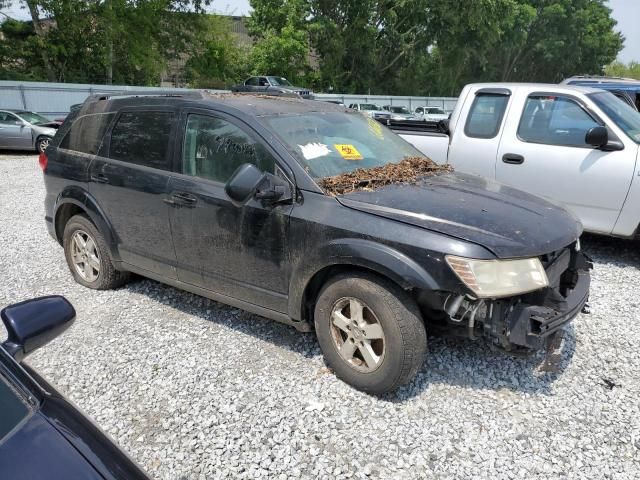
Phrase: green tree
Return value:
(619, 69)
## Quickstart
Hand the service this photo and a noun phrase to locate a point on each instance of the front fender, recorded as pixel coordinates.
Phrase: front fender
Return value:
(79, 197)
(374, 256)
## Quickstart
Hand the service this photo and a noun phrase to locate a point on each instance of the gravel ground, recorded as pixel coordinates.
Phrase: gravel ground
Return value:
(193, 389)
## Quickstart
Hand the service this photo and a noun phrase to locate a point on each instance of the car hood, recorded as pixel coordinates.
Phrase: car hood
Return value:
(508, 222)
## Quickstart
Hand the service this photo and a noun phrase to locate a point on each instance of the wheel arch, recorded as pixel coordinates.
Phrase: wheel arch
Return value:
(352, 255)
(74, 201)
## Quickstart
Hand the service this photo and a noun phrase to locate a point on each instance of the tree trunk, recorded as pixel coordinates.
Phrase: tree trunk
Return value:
(37, 27)
(110, 44)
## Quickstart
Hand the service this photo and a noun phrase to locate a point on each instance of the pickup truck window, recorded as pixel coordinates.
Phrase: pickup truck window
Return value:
(485, 116)
(214, 149)
(555, 120)
(622, 114)
(328, 144)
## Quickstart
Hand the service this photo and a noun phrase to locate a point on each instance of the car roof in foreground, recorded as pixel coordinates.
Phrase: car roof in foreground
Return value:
(258, 105)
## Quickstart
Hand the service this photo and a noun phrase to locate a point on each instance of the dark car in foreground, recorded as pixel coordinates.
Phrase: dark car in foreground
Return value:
(42, 435)
(272, 85)
(221, 195)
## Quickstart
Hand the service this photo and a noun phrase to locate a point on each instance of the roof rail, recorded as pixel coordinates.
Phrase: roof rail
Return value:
(146, 93)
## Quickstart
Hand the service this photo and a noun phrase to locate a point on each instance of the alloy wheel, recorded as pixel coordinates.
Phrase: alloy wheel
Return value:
(85, 256)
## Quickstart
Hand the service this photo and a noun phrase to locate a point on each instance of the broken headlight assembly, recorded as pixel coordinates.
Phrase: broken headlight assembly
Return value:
(499, 278)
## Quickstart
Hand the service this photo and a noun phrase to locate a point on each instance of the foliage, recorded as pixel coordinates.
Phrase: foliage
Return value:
(405, 47)
(619, 69)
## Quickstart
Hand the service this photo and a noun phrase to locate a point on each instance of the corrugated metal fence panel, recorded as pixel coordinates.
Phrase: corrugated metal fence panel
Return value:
(55, 99)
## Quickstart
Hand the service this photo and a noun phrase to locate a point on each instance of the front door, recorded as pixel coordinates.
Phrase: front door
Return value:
(14, 133)
(130, 181)
(238, 251)
(546, 154)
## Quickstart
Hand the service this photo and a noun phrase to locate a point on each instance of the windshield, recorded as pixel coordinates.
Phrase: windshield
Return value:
(399, 110)
(33, 117)
(369, 106)
(280, 82)
(332, 143)
(621, 113)
(436, 110)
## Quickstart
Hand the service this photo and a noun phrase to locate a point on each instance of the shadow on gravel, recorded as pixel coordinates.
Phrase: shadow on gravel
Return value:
(465, 363)
(620, 252)
(16, 153)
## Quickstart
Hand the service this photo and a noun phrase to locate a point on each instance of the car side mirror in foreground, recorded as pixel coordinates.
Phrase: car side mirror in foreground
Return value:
(599, 137)
(249, 182)
(34, 323)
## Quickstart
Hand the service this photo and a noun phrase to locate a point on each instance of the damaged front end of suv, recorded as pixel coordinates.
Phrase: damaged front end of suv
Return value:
(518, 304)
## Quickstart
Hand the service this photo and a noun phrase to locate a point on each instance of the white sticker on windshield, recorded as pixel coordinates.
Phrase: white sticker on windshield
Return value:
(314, 150)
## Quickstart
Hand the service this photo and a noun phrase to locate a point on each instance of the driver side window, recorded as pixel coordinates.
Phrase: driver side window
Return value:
(214, 148)
(555, 120)
(8, 118)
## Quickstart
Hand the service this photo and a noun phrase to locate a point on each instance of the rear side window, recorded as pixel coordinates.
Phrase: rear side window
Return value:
(85, 135)
(214, 149)
(485, 116)
(142, 138)
(555, 120)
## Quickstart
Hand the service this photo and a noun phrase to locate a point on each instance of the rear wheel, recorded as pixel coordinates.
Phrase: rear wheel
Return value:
(370, 331)
(42, 143)
(88, 256)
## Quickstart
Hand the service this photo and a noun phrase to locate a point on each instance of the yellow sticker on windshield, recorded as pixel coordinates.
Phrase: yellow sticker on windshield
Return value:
(348, 152)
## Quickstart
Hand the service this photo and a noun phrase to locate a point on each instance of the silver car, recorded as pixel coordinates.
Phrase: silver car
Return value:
(23, 130)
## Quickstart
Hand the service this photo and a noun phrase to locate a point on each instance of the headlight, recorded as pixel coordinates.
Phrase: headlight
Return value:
(499, 278)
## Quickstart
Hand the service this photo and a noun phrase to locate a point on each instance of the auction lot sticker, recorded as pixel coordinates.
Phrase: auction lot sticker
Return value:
(348, 152)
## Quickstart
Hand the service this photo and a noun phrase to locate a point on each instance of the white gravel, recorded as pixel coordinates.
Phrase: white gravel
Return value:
(193, 389)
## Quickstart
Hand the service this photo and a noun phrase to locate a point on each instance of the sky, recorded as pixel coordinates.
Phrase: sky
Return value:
(626, 12)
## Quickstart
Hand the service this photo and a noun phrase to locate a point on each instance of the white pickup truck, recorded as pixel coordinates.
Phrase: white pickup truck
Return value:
(577, 146)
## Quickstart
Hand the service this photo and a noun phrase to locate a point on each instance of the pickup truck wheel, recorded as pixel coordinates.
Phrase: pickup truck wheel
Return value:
(370, 331)
(88, 256)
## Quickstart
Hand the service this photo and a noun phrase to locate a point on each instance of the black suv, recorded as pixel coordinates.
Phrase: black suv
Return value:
(220, 195)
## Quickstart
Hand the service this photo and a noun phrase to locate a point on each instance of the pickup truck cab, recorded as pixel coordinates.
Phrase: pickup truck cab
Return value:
(222, 195)
(577, 146)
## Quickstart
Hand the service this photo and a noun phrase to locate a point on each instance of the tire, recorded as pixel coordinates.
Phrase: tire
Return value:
(395, 358)
(97, 270)
(42, 143)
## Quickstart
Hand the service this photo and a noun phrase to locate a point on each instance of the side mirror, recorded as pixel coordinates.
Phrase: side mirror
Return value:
(34, 323)
(248, 181)
(244, 183)
(597, 137)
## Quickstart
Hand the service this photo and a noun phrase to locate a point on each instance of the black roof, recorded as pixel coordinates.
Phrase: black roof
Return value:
(251, 104)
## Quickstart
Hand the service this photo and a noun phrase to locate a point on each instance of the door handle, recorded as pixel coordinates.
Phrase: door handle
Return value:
(99, 178)
(513, 158)
(181, 199)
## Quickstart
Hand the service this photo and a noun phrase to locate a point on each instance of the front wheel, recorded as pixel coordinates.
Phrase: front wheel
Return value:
(42, 143)
(370, 331)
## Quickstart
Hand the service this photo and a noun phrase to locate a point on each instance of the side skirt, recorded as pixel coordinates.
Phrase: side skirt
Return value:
(301, 326)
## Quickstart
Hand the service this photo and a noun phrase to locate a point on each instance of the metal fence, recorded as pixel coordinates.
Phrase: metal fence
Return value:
(55, 99)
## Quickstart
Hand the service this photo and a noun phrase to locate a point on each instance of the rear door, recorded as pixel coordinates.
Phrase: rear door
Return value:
(130, 179)
(544, 152)
(474, 143)
(238, 251)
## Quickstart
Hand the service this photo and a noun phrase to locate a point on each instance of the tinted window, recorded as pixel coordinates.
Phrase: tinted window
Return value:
(142, 138)
(485, 116)
(86, 133)
(554, 120)
(13, 409)
(252, 81)
(214, 149)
